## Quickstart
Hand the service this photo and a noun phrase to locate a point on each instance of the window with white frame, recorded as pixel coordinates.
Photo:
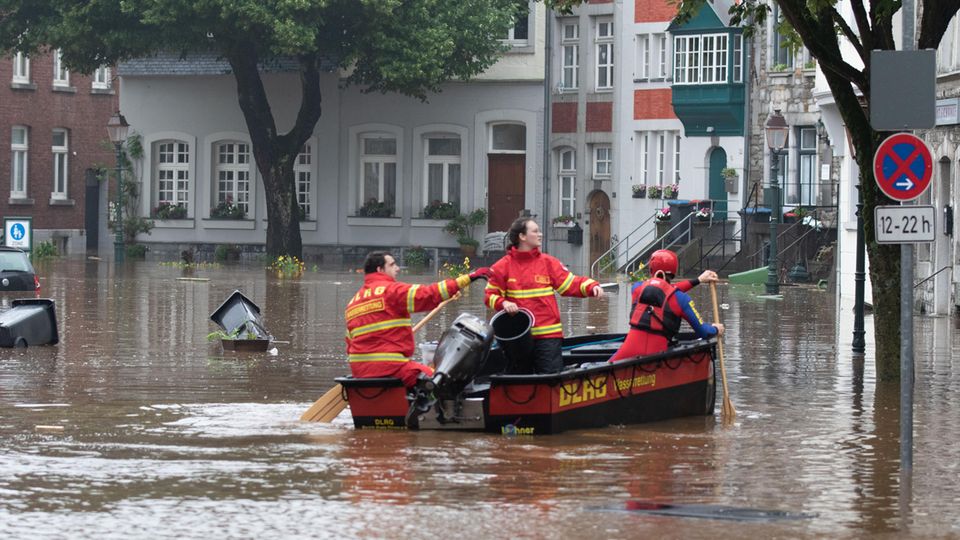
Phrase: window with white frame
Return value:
(686, 60)
(604, 42)
(233, 176)
(948, 53)
(661, 157)
(520, 31)
(21, 68)
(378, 176)
(61, 75)
(19, 149)
(805, 192)
(713, 58)
(508, 138)
(570, 59)
(738, 58)
(644, 156)
(442, 170)
(781, 55)
(643, 56)
(173, 174)
(676, 158)
(568, 178)
(602, 160)
(101, 78)
(662, 52)
(60, 149)
(303, 171)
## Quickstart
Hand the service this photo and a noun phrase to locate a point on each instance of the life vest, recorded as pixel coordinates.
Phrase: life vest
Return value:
(651, 312)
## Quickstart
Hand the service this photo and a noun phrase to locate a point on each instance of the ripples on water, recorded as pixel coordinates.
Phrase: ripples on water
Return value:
(166, 436)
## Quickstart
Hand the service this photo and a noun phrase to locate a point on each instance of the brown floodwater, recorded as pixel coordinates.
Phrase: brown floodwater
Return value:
(165, 435)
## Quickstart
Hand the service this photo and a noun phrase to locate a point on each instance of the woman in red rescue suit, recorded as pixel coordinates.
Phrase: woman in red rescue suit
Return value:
(658, 307)
(527, 278)
(379, 336)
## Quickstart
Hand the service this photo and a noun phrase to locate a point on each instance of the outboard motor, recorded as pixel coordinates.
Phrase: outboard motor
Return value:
(460, 355)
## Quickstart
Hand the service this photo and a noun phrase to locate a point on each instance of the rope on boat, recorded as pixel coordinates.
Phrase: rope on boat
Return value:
(380, 392)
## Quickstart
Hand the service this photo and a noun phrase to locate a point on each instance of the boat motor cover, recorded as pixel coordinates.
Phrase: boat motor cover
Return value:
(461, 352)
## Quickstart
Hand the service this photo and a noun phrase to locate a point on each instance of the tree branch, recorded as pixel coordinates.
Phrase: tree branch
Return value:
(936, 18)
(847, 31)
(310, 106)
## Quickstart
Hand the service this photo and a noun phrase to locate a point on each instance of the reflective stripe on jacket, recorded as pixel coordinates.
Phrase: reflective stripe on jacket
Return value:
(378, 316)
(530, 279)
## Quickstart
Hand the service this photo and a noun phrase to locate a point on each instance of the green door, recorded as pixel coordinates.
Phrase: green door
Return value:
(718, 190)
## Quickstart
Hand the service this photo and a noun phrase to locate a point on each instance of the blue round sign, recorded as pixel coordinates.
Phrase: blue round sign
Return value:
(17, 231)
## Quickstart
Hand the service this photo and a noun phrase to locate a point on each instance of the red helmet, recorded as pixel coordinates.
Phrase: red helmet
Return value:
(663, 260)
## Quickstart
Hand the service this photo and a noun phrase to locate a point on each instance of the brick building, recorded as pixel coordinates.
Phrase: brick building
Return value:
(52, 136)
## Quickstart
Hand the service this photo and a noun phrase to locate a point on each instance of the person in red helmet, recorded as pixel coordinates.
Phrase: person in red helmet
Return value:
(659, 306)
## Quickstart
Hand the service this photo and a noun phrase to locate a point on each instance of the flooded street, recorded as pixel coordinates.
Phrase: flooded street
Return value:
(165, 435)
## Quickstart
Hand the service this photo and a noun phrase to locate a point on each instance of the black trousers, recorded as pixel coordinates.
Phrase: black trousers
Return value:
(542, 356)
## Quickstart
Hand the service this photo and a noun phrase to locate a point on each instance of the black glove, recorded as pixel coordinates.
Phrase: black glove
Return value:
(480, 273)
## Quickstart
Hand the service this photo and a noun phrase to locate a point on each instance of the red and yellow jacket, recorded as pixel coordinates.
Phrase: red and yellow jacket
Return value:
(529, 279)
(378, 316)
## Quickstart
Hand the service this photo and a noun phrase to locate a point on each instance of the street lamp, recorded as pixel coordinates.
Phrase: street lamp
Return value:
(777, 133)
(117, 128)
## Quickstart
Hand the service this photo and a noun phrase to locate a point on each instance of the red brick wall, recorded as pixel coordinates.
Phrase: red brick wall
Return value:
(564, 117)
(82, 113)
(600, 116)
(650, 104)
(653, 11)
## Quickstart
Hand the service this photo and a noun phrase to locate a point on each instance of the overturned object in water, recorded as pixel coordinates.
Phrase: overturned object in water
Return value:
(239, 316)
(31, 321)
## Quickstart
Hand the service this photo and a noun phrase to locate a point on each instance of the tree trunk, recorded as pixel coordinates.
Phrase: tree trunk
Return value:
(275, 154)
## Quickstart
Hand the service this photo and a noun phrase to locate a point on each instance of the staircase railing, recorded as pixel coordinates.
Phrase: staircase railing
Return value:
(609, 259)
(720, 244)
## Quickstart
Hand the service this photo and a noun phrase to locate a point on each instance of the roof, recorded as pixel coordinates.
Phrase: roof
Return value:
(211, 63)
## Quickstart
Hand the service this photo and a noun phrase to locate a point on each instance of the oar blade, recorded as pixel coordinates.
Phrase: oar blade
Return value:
(327, 407)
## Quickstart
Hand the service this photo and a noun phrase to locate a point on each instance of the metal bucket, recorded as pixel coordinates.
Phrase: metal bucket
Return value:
(513, 335)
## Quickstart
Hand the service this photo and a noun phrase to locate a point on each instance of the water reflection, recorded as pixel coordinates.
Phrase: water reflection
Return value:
(166, 435)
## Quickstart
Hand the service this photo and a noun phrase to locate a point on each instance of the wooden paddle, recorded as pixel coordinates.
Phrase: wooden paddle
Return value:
(728, 412)
(332, 403)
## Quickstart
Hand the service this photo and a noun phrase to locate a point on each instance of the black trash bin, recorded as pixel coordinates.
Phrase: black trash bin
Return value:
(679, 210)
(30, 321)
(513, 335)
(239, 312)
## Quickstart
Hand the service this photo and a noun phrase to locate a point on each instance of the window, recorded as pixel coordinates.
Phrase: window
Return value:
(19, 146)
(378, 181)
(442, 170)
(60, 161)
(233, 175)
(686, 60)
(21, 68)
(643, 56)
(661, 156)
(662, 65)
(570, 67)
(804, 192)
(519, 32)
(714, 58)
(173, 174)
(604, 55)
(676, 158)
(303, 171)
(568, 177)
(644, 155)
(101, 78)
(738, 58)
(602, 160)
(508, 138)
(61, 75)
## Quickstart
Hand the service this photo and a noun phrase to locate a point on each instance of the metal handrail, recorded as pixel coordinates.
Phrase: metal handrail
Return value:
(737, 235)
(596, 269)
(931, 276)
(687, 222)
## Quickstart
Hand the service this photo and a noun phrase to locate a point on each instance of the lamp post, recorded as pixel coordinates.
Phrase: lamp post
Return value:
(117, 128)
(777, 133)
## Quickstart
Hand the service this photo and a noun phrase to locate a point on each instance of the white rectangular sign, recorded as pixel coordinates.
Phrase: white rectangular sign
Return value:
(904, 224)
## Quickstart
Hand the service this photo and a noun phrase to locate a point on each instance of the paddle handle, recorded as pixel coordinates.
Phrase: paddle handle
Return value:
(433, 312)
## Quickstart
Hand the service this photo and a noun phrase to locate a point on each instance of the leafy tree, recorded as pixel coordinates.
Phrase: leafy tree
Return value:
(407, 46)
(822, 29)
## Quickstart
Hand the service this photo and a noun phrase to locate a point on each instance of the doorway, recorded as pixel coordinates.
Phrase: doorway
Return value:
(507, 189)
(599, 205)
(717, 188)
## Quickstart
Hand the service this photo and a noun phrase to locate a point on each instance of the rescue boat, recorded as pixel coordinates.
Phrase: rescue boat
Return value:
(472, 391)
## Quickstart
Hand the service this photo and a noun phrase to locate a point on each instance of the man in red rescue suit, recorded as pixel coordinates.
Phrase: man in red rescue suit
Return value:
(527, 278)
(659, 306)
(379, 336)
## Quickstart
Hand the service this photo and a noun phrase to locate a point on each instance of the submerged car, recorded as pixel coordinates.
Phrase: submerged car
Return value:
(16, 272)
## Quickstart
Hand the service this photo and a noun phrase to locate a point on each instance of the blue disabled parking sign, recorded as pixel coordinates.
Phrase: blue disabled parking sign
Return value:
(18, 233)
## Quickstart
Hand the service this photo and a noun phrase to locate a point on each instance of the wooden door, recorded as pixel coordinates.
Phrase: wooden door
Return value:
(506, 189)
(599, 224)
(717, 185)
